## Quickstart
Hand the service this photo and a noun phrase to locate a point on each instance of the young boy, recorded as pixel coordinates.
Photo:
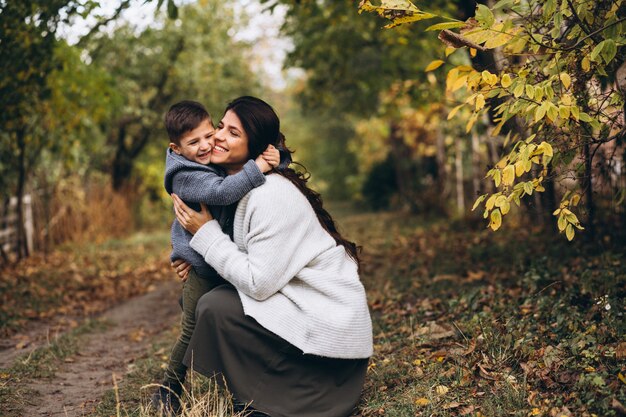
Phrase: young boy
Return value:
(189, 175)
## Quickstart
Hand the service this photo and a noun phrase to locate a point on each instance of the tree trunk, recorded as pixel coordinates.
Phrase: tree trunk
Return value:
(401, 156)
(126, 153)
(476, 170)
(549, 199)
(442, 167)
(588, 187)
(22, 246)
(458, 165)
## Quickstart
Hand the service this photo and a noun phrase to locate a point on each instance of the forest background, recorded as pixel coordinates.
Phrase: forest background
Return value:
(456, 117)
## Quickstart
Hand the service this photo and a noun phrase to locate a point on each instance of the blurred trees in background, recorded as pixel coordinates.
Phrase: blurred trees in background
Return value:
(548, 80)
(528, 93)
(82, 126)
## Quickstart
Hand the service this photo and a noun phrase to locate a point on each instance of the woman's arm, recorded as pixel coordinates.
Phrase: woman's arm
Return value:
(278, 244)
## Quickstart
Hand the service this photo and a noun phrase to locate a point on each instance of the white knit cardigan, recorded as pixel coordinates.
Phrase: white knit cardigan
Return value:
(291, 276)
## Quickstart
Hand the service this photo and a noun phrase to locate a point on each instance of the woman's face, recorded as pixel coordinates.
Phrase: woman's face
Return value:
(231, 144)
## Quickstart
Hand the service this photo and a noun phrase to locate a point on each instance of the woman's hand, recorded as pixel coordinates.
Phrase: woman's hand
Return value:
(182, 268)
(190, 219)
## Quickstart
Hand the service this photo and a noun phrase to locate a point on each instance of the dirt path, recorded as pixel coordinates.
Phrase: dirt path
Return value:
(83, 378)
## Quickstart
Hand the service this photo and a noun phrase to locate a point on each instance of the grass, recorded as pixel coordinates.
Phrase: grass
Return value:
(131, 397)
(41, 363)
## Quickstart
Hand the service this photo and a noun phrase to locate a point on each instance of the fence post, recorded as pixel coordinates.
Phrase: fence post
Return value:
(28, 222)
(9, 226)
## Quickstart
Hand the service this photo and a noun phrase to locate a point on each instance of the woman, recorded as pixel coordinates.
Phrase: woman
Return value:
(291, 334)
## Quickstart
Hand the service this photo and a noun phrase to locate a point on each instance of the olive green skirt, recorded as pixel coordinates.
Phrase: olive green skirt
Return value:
(265, 371)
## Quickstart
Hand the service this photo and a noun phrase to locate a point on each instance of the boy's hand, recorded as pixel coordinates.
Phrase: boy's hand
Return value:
(182, 269)
(272, 156)
(263, 165)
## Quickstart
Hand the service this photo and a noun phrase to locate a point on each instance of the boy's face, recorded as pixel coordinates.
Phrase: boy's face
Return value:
(197, 144)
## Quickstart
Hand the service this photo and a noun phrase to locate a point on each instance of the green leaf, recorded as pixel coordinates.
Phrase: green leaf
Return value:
(446, 25)
(596, 51)
(609, 51)
(528, 188)
(484, 15)
(502, 3)
(548, 9)
(172, 9)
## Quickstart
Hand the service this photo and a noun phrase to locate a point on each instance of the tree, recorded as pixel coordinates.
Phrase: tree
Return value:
(353, 73)
(28, 58)
(556, 80)
(185, 58)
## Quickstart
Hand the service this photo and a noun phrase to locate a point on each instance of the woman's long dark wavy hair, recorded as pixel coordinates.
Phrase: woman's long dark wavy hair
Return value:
(262, 126)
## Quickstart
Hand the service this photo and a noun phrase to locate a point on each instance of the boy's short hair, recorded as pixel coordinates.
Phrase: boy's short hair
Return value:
(184, 117)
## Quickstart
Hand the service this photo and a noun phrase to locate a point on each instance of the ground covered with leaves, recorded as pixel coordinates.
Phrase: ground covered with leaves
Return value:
(80, 280)
(467, 322)
(471, 322)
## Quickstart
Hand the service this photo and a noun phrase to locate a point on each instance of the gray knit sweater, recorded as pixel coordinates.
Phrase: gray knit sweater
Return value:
(196, 183)
(291, 276)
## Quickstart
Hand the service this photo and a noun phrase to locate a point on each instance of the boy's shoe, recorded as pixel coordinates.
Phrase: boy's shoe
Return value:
(166, 399)
(247, 411)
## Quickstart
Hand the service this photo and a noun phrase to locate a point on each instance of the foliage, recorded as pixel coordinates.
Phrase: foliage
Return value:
(209, 67)
(553, 90)
(356, 73)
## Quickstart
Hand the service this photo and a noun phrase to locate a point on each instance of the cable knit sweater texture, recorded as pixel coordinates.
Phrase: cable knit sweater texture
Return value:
(289, 272)
(195, 183)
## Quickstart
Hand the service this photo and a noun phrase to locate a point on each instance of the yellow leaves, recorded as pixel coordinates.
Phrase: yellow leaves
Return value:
(565, 79)
(459, 83)
(454, 111)
(498, 40)
(566, 99)
(540, 112)
(471, 122)
(508, 175)
(434, 65)
(586, 64)
(489, 78)
(496, 220)
(491, 202)
(530, 91)
(519, 90)
(398, 11)
(422, 402)
(480, 102)
(441, 390)
(567, 220)
(506, 81)
(545, 148)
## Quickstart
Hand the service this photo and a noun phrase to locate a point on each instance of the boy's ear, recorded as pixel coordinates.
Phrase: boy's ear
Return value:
(175, 148)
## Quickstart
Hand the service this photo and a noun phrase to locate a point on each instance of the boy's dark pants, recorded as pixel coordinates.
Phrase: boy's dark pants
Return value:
(193, 288)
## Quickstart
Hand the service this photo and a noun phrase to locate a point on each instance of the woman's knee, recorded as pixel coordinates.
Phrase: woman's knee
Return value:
(219, 303)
